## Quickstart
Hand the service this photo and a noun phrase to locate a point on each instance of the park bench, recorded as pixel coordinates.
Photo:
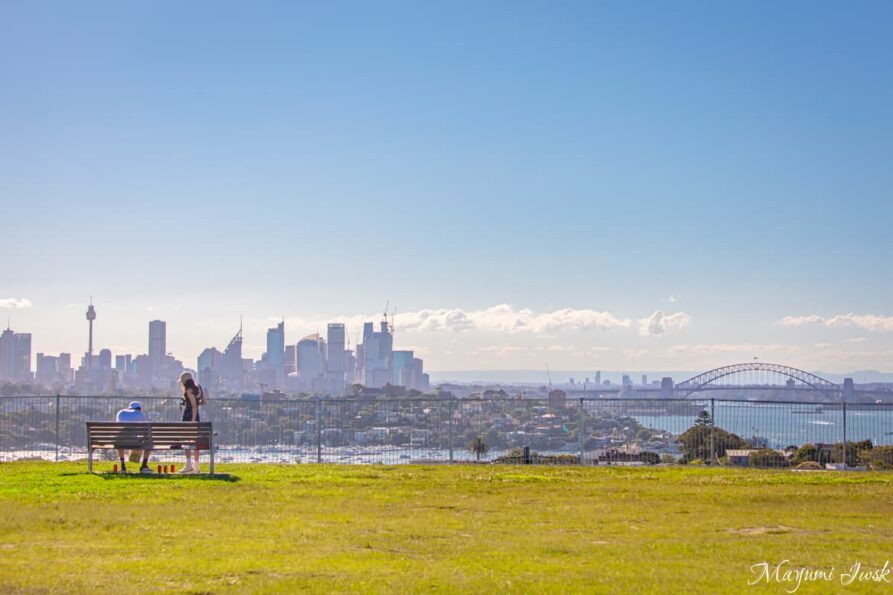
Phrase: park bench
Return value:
(157, 436)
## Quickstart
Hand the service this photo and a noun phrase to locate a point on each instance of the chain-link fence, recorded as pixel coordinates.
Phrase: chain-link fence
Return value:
(500, 430)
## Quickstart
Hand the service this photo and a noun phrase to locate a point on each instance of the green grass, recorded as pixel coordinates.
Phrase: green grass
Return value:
(411, 528)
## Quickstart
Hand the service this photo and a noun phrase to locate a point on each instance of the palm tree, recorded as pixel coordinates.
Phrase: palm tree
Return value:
(478, 447)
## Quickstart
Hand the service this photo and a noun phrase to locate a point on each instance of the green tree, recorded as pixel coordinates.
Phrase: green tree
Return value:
(766, 457)
(878, 458)
(651, 458)
(478, 447)
(704, 419)
(854, 451)
(807, 452)
(695, 442)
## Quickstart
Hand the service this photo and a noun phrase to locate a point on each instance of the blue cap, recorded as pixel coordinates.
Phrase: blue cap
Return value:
(135, 405)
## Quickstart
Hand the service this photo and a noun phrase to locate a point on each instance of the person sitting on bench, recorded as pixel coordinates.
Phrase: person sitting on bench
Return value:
(133, 413)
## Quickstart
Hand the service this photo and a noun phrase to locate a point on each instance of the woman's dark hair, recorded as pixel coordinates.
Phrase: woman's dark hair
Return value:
(189, 385)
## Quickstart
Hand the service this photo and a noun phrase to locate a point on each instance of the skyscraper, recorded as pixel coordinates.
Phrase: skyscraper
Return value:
(231, 363)
(208, 367)
(311, 362)
(335, 348)
(401, 368)
(157, 345)
(105, 359)
(15, 356)
(291, 359)
(276, 352)
(377, 348)
(47, 370)
(335, 359)
(64, 366)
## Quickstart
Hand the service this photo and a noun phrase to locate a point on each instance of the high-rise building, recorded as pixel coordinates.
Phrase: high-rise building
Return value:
(350, 366)
(291, 360)
(335, 348)
(626, 381)
(598, 378)
(157, 345)
(408, 371)
(420, 380)
(275, 356)
(644, 379)
(335, 359)
(51, 369)
(401, 368)
(231, 365)
(105, 359)
(208, 367)
(311, 352)
(377, 350)
(15, 356)
(46, 371)
(66, 374)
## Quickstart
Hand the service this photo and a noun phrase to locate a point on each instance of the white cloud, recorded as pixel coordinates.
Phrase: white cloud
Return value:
(502, 318)
(15, 303)
(505, 318)
(672, 299)
(498, 350)
(659, 323)
(748, 348)
(869, 322)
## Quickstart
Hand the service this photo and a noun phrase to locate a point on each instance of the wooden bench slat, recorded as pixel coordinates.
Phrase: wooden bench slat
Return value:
(149, 435)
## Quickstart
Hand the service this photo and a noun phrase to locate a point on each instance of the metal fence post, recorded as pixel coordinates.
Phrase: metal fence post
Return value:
(57, 428)
(450, 430)
(843, 415)
(712, 427)
(580, 430)
(319, 430)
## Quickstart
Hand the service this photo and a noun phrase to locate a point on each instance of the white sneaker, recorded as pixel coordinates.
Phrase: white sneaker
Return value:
(185, 470)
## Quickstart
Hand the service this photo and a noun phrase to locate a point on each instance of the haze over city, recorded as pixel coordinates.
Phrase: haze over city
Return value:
(501, 296)
(584, 187)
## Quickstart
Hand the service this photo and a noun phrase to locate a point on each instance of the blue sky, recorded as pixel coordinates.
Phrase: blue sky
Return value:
(727, 164)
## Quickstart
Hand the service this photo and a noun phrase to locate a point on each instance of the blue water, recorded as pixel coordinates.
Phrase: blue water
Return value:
(780, 425)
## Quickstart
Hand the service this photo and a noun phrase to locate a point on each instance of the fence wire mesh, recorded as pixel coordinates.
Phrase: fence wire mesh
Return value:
(498, 430)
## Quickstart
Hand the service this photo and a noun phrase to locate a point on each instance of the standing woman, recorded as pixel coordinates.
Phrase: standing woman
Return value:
(193, 397)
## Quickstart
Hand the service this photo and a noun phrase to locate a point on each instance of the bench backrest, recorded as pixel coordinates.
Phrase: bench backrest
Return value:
(155, 435)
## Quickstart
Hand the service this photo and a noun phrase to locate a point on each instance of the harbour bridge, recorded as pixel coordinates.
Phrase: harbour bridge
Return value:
(757, 377)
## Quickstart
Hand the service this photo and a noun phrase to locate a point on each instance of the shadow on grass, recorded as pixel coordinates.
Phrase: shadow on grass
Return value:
(223, 477)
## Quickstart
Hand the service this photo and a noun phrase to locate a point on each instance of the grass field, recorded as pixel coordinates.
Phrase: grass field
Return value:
(410, 528)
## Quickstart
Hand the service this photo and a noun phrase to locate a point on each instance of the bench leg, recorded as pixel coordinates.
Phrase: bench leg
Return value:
(90, 460)
(211, 450)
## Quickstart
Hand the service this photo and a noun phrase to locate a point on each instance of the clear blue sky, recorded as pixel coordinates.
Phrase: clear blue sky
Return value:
(197, 161)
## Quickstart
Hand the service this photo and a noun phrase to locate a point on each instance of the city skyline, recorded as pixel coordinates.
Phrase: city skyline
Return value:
(590, 186)
(501, 320)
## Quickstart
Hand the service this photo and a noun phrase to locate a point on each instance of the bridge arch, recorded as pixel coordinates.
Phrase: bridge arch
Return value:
(696, 383)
